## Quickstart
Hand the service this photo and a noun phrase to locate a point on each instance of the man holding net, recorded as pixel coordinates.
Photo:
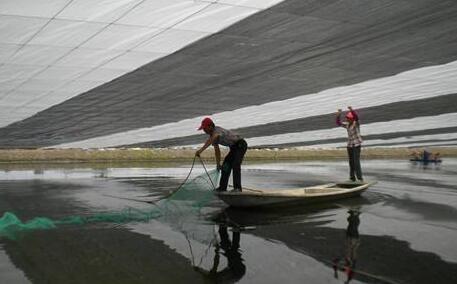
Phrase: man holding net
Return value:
(233, 160)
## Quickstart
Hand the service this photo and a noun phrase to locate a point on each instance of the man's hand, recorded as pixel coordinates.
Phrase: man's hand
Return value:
(198, 153)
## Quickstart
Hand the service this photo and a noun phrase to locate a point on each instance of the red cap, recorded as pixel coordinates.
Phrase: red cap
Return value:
(349, 115)
(205, 123)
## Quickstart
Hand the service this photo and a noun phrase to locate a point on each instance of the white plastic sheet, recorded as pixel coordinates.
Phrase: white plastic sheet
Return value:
(53, 47)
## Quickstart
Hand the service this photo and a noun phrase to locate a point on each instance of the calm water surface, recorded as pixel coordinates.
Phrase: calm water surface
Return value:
(402, 230)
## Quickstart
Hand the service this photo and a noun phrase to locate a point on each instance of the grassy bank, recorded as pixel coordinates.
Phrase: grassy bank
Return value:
(163, 155)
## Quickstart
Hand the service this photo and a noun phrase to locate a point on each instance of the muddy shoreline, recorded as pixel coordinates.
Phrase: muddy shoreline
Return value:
(172, 155)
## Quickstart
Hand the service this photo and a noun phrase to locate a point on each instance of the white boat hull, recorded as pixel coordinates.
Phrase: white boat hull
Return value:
(257, 197)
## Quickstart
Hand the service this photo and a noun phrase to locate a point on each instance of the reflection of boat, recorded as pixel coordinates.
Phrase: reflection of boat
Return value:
(250, 197)
(425, 161)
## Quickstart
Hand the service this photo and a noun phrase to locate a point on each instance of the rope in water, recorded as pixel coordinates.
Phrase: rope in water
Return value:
(203, 164)
(188, 175)
(173, 191)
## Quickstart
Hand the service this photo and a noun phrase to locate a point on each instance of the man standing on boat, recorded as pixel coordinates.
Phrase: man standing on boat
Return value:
(354, 144)
(233, 160)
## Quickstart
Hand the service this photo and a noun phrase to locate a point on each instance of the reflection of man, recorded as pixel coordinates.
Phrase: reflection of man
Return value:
(235, 268)
(352, 236)
(352, 244)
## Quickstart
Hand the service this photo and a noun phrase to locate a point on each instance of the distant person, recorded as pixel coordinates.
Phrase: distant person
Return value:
(415, 155)
(436, 157)
(233, 160)
(354, 144)
(426, 155)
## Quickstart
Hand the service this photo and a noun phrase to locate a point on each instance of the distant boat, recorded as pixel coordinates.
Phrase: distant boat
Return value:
(250, 197)
(425, 161)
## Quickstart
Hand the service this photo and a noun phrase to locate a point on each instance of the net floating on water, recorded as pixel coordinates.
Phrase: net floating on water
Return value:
(188, 199)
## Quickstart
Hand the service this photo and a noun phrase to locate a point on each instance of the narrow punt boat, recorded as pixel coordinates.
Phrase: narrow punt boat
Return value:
(425, 161)
(251, 197)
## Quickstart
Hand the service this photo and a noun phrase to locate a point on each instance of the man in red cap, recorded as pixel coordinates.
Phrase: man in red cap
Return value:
(352, 126)
(233, 160)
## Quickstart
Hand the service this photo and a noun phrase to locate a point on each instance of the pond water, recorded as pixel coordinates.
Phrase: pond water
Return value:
(401, 230)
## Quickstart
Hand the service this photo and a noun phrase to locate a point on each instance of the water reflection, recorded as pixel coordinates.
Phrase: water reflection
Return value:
(426, 165)
(230, 249)
(352, 245)
(251, 218)
(246, 218)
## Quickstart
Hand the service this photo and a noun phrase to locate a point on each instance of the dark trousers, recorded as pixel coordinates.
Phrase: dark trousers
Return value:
(354, 163)
(233, 161)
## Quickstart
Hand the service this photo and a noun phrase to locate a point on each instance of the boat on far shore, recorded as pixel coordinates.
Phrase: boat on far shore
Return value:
(251, 197)
(425, 161)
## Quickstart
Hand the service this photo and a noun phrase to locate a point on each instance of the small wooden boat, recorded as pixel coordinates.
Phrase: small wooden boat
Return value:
(250, 197)
(425, 161)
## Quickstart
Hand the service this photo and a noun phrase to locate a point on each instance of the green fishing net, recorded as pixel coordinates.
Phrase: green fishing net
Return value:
(177, 209)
